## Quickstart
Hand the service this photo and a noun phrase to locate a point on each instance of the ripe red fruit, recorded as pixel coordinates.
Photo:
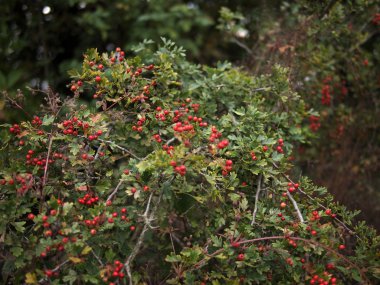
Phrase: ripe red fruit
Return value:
(49, 273)
(342, 246)
(98, 78)
(53, 212)
(132, 228)
(265, 148)
(124, 210)
(126, 171)
(30, 216)
(73, 88)
(328, 212)
(283, 205)
(84, 156)
(93, 232)
(240, 257)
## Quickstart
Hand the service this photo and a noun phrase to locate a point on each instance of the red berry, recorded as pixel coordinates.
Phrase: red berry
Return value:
(98, 78)
(240, 257)
(30, 216)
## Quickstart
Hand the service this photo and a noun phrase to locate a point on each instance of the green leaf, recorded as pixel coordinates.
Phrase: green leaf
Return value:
(17, 251)
(173, 258)
(47, 120)
(19, 226)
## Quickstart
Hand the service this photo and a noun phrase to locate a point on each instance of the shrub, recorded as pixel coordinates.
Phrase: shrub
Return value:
(175, 173)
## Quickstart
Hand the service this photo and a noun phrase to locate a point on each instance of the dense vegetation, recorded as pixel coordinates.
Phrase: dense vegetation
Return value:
(150, 168)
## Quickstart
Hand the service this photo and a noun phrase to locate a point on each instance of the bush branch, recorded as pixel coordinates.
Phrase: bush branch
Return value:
(319, 204)
(110, 197)
(256, 199)
(295, 205)
(148, 217)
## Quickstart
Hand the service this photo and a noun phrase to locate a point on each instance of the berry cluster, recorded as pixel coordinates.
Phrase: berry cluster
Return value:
(115, 271)
(72, 127)
(223, 144)
(280, 145)
(169, 149)
(292, 187)
(139, 124)
(36, 121)
(15, 129)
(161, 115)
(227, 167)
(323, 280)
(181, 169)
(314, 123)
(326, 95)
(215, 134)
(88, 200)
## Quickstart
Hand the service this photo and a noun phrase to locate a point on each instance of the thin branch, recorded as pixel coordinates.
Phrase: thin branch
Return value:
(147, 219)
(171, 140)
(295, 205)
(97, 257)
(242, 45)
(54, 270)
(120, 147)
(114, 191)
(256, 199)
(47, 160)
(319, 204)
(202, 262)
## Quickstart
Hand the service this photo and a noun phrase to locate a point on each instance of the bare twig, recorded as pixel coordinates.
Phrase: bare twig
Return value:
(97, 257)
(47, 160)
(147, 220)
(54, 270)
(256, 199)
(242, 45)
(295, 205)
(171, 140)
(120, 147)
(114, 191)
(319, 204)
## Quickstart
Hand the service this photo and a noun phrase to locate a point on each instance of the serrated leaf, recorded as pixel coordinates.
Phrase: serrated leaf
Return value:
(30, 278)
(17, 251)
(86, 250)
(19, 226)
(47, 120)
(173, 258)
